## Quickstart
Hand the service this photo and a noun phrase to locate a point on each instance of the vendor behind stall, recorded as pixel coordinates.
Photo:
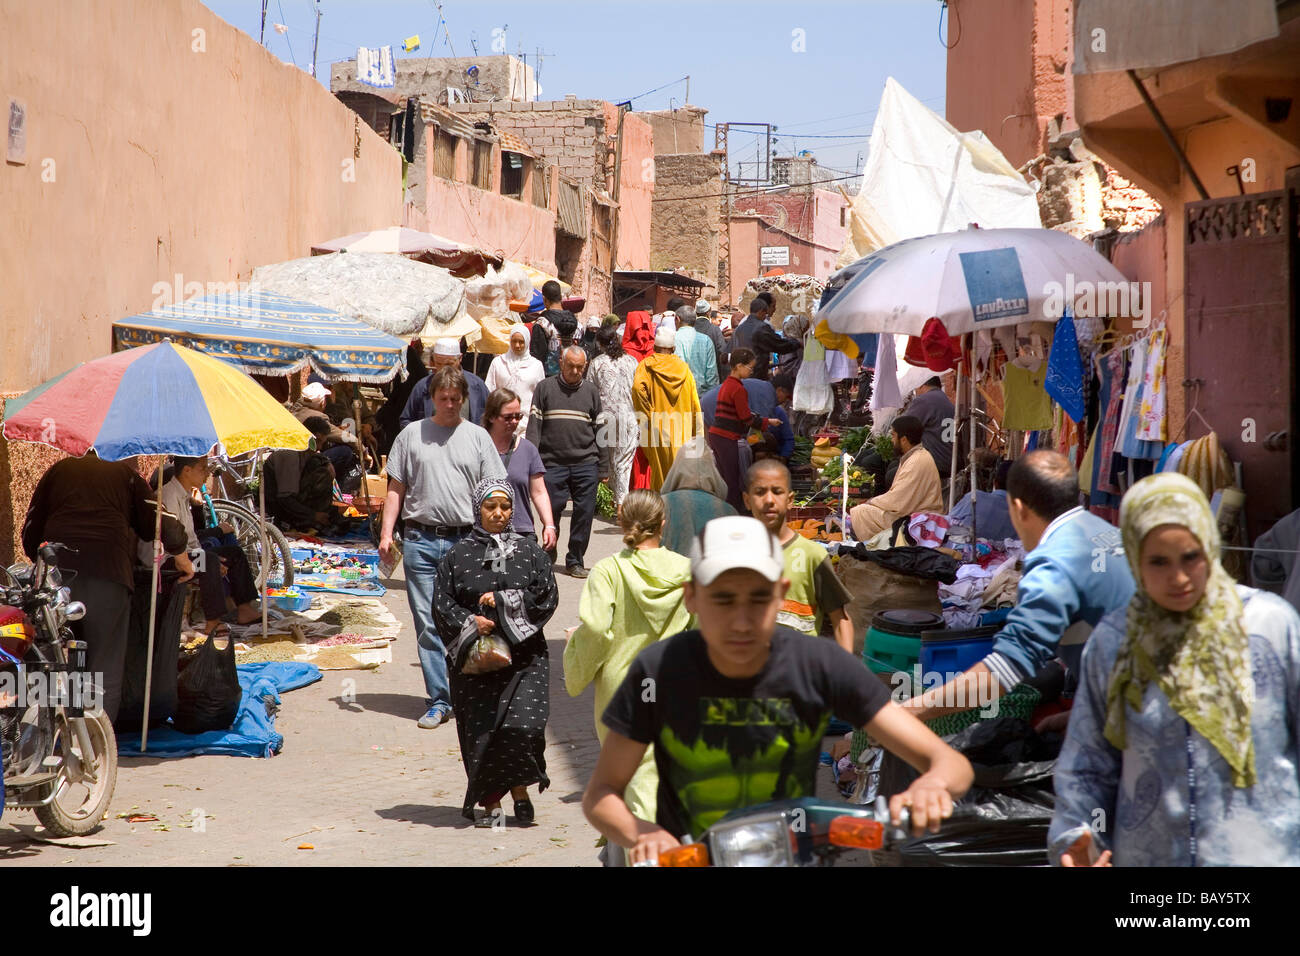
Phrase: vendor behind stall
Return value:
(916, 486)
(1075, 573)
(991, 517)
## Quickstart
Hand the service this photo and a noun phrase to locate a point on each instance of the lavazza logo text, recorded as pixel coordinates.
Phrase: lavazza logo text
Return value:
(77, 909)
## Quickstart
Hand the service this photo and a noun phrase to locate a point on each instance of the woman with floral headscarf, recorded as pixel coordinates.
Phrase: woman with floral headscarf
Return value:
(497, 583)
(1182, 747)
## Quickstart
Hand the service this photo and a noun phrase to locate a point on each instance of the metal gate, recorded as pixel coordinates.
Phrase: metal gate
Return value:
(1240, 277)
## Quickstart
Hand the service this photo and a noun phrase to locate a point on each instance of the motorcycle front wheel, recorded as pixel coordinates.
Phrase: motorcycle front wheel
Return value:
(79, 804)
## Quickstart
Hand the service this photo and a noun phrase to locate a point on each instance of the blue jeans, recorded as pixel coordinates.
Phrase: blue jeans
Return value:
(422, 552)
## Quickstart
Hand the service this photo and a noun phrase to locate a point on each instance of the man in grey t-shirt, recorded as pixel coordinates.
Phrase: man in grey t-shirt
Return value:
(432, 468)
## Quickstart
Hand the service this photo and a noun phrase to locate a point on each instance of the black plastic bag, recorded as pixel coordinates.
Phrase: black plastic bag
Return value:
(208, 691)
(166, 650)
(1008, 809)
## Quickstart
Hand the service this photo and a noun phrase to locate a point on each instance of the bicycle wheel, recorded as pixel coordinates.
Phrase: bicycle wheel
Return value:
(278, 571)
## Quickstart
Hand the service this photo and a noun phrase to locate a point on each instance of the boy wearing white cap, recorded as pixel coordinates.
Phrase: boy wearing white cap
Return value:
(737, 710)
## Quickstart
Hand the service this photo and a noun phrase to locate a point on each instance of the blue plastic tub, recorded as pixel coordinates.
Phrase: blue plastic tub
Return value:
(952, 652)
(287, 602)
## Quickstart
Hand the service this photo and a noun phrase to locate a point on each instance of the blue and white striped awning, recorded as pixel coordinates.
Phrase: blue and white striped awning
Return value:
(267, 334)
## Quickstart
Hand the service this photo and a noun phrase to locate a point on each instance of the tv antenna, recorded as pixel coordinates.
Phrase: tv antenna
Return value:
(473, 41)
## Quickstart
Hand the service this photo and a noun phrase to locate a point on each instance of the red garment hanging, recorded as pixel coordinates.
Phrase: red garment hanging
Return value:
(934, 349)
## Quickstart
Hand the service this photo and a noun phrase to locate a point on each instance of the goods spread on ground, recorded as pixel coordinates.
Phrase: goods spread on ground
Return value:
(335, 634)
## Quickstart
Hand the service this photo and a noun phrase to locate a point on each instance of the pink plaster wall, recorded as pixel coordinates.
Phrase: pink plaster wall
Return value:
(518, 230)
(155, 150)
(1007, 71)
(148, 157)
(636, 189)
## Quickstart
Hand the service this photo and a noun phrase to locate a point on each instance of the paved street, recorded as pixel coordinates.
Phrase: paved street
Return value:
(358, 781)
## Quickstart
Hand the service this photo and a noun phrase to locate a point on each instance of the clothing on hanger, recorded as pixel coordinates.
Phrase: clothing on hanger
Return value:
(1152, 424)
(1028, 408)
(1064, 381)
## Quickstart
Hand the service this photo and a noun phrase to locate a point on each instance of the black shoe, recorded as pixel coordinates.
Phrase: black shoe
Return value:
(577, 571)
(524, 810)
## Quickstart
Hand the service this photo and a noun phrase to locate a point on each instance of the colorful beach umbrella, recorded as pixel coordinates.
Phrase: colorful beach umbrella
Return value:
(160, 399)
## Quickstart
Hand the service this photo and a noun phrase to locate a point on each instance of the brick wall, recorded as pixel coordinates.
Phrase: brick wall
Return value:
(686, 223)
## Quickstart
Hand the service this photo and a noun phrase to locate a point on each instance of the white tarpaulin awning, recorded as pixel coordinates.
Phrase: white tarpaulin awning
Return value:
(1146, 34)
(923, 176)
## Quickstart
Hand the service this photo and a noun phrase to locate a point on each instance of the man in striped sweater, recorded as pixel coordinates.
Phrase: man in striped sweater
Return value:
(562, 424)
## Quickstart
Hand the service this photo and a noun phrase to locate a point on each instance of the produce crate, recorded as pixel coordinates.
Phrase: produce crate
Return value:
(806, 512)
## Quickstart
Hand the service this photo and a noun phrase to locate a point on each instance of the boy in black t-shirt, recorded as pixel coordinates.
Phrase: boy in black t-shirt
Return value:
(736, 710)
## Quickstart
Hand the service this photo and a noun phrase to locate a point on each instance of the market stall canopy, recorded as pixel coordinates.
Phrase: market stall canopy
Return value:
(975, 279)
(924, 176)
(538, 277)
(161, 399)
(1123, 35)
(269, 334)
(394, 294)
(461, 260)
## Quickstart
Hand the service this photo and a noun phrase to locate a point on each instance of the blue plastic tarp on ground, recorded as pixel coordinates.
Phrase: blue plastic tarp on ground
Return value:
(253, 733)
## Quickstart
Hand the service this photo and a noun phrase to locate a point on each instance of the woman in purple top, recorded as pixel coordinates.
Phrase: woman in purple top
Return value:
(523, 464)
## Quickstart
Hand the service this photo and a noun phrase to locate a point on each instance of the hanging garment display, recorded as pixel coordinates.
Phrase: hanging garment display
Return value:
(1152, 425)
(375, 67)
(1027, 406)
(1130, 445)
(1206, 463)
(884, 388)
(1064, 382)
(812, 390)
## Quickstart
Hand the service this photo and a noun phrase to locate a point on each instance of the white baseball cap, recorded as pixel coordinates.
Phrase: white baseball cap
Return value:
(735, 542)
(315, 391)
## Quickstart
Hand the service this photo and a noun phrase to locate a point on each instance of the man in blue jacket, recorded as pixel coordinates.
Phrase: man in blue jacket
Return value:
(1075, 573)
(446, 351)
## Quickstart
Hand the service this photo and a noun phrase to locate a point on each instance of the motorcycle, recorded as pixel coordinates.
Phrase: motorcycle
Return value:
(800, 832)
(59, 756)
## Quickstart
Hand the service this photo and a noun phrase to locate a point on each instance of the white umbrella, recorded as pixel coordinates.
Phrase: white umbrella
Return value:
(394, 294)
(976, 279)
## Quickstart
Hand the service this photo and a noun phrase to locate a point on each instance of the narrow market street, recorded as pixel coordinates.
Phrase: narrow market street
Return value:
(357, 781)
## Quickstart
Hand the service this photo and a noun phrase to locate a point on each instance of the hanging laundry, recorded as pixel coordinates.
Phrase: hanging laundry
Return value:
(868, 342)
(1130, 446)
(1027, 406)
(834, 341)
(1152, 425)
(884, 388)
(983, 353)
(1064, 382)
(934, 349)
(375, 67)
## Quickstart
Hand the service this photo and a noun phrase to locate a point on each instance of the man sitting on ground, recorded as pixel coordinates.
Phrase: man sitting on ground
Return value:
(737, 709)
(916, 487)
(216, 567)
(300, 485)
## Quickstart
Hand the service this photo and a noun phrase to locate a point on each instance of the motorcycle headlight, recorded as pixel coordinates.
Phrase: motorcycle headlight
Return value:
(755, 841)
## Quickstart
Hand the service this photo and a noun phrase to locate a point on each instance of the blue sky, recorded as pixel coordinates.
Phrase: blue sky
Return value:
(741, 56)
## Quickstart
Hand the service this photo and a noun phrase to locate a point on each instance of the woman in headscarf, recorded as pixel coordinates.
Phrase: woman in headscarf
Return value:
(517, 370)
(694, 494)
(1182, 742)
(630, 600)
(639, 335)
(612, 370)
(497, 583)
